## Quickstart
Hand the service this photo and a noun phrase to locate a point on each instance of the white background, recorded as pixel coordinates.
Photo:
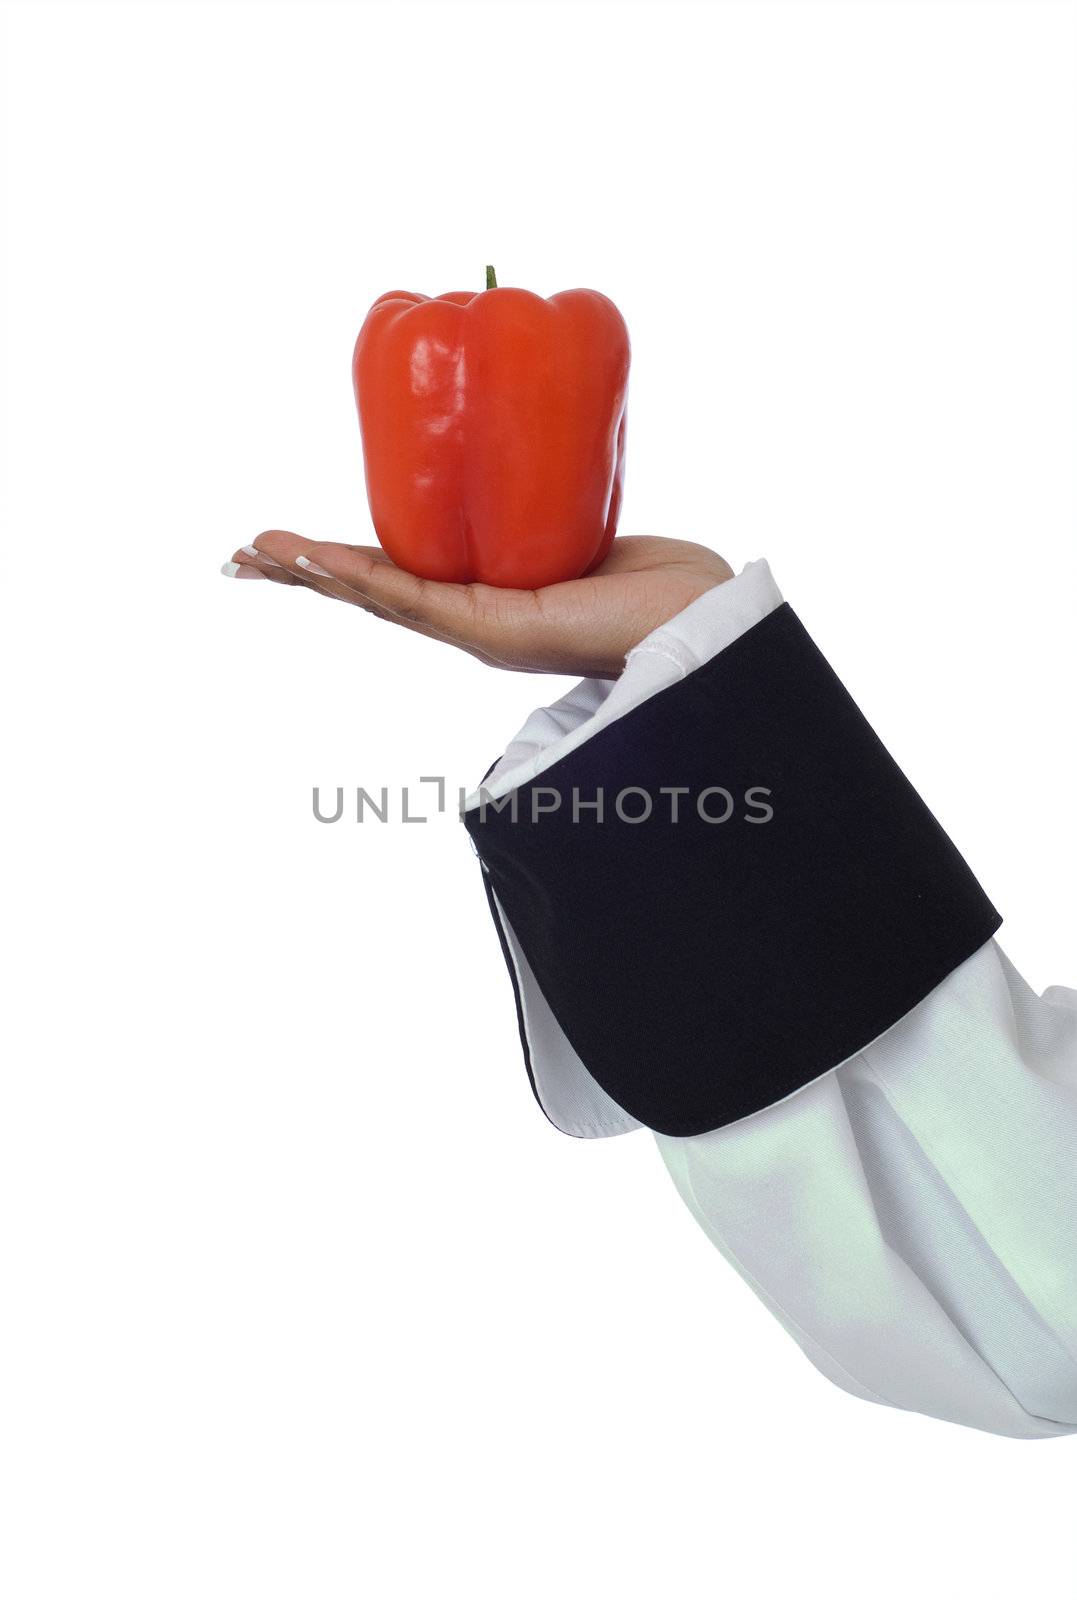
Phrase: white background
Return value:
(304, 1297)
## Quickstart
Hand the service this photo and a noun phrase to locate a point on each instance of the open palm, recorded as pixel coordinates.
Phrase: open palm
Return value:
(583, 627)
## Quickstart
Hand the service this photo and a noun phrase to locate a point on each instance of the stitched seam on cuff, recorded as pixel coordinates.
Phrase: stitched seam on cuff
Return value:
(669, 652)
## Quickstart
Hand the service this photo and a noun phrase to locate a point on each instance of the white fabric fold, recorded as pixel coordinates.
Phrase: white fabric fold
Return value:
(911, 1217)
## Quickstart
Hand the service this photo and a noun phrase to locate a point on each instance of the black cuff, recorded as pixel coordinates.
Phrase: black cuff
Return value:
(801, 903)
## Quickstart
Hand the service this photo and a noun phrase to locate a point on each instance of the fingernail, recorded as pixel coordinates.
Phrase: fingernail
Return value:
(308, 566)
(233, 569)
(260, 555)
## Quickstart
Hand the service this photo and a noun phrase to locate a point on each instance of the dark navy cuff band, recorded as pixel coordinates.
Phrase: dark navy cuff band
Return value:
(802, 902)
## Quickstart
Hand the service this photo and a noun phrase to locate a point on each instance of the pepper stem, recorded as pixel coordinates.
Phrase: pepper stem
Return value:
(491, 278)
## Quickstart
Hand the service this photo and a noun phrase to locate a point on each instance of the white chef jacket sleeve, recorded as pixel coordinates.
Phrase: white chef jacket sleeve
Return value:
(729, 918)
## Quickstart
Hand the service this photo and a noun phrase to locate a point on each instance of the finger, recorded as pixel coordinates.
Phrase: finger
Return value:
(291, 546)
(445, 606)
(236, 569)
(473, 616)
(313, 577)
(369, 578)
(248, 570)
(242, 565)
(250, 562)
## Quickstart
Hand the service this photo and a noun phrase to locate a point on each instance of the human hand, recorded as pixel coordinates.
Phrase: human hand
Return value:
(583, 628)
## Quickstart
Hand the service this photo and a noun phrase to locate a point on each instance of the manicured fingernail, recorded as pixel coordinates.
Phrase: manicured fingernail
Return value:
(308, 566)
(260, 555)
(233, 569)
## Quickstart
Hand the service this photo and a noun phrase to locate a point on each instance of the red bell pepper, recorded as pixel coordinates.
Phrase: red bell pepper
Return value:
(493, 430)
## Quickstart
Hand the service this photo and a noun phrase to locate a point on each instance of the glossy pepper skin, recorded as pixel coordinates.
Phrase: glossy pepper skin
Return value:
(493, 430)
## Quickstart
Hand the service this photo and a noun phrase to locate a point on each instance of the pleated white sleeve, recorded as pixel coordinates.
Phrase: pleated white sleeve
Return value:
(878, 1132)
